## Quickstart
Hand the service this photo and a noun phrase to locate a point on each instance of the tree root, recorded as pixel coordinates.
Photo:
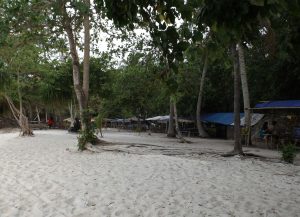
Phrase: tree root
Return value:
(92, 148)
(101, 142)
(26, 132)
(183, 140)
(233, 153)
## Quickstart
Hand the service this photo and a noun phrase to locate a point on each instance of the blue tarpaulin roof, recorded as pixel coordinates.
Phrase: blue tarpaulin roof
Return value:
(279, 104)
(219, 118)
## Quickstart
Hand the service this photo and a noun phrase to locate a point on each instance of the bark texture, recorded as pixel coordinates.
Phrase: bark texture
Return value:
(38, 114)
(177, 124)
(72, 113)
(245, 90)
(81, 87)
(21, 119)
(201, 131)
(237, 86)
(80, 90)
(171, 128)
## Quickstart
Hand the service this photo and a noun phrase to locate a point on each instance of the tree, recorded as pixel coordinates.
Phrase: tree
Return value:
(134, 89)
(67, 19)
(171, 128)
(237, 119)
(248, 18)
(81, 89)
(201, 131)
(20, 60)
(159, 18)
(245, 89)
(13, 43)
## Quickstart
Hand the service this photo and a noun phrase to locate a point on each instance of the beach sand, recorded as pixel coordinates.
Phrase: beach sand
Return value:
(45, 176)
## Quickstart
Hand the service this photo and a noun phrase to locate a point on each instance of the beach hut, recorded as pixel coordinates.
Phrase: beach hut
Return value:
(286, 114)
(161, 124)
(220, 125)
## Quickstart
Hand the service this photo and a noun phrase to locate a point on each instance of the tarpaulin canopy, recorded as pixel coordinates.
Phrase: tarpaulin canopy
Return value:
(165, 118)
(278, 104)
(219, 118)
(159, 118)
(280, 107)
(227, 118)
(255, 118)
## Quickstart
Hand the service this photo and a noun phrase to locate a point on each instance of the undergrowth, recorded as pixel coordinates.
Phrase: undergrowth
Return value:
(288, 152)
(87, 135)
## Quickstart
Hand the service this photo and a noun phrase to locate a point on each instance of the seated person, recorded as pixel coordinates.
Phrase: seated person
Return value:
(76, 126)
(50, 122)
(273, 133)
(272, 129)
(263, 130)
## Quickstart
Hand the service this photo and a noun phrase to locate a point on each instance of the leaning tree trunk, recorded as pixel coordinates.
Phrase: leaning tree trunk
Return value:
(245, 90)
(21, 119)
(171, 128)
(38, 114)
(237, 121)
(24, 124)
(201, 131)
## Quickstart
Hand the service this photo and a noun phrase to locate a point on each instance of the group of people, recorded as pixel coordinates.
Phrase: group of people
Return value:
(269, 131)
(74, 128)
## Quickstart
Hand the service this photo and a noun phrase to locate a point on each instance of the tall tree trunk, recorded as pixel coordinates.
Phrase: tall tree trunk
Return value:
(82, 92)
(20, 96)
(237, 120)
(201, 131)
(86, 57)
(176, 123)
(171, 129)
(245, 90)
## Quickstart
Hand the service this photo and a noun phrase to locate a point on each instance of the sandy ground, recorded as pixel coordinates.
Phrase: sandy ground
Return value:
(45, 176)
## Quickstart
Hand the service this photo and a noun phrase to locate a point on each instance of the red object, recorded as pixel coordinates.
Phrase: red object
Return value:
(50, 122)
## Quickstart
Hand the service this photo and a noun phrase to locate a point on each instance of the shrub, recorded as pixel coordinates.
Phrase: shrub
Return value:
(88, 134)
(289, 152)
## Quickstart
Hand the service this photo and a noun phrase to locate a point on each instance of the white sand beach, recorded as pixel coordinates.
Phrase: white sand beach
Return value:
(44, 176)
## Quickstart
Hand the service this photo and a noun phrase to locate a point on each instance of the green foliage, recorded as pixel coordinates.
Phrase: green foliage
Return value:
(135, 89)
(288, 152)
(101, 75)
(5, 78)
(273, 61)
(55, 84)
(87, 135)
(257, 2)
(242, 18)
(99, 120)
(143, 85)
